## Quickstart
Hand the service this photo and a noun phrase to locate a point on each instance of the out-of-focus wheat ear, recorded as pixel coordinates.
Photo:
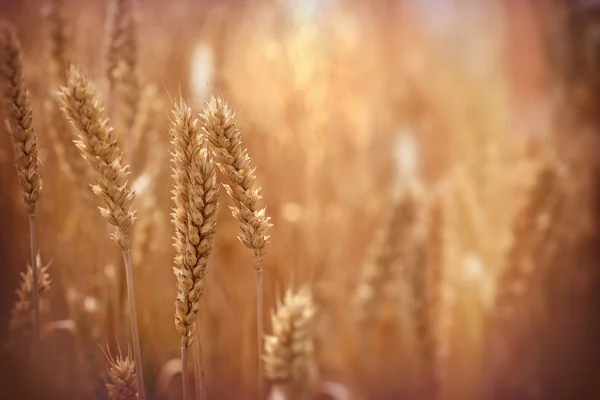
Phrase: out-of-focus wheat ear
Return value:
(22, 310)
(143, 129)
(195, 194)
(121, 27)
(428, 281)
(289, 350)
(98, 145)
(122, 68)
(533, 234)
(58, 39)
(19, 115)
(220, 125)
(121, 382)
(391, 247)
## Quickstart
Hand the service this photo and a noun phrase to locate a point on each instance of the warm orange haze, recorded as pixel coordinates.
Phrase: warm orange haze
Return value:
(299, 199)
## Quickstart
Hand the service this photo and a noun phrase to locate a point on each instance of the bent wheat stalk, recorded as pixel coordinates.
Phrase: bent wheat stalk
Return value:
(195, 193)
(226, 139)
(98, 145)
(18, 112)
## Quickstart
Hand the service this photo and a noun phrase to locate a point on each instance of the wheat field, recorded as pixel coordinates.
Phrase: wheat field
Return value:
(299, 199)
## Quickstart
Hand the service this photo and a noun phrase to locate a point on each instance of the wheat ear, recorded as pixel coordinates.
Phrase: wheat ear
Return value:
(22, 310)
(289, 351)
(59, 131)
(58, 38)
(533, 231)
(219, 124)
(121, 380)
(195, 193)
(98, 145)
(18, 111)
(122, 66)
(427, 285)
(390, 249)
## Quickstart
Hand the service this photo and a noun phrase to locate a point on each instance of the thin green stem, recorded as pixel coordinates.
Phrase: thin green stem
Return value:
(135, 338)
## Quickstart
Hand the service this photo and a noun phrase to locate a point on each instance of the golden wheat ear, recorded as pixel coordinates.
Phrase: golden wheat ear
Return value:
(220, 126)
(22, 310)
(98, 145)
(121, 382)
(289, 350)
(195, 194)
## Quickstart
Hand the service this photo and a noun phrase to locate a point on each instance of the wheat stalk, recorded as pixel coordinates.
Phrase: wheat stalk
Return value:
(289, 351)
(19, 114)
(195, 193)
(98, 145)
(121, 381)
(219, 123)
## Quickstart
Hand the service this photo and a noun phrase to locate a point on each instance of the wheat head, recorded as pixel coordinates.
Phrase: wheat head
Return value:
(390, 250)
(428, 288)
(121, 382)
(18, 111)
(98, 145)
(122, 57)
(195, 193)
(22, 310)
(533, 230)
(289, 351)
(219, 124)
(58, 39)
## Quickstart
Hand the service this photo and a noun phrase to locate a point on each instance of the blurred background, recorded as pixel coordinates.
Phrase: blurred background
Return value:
(340, 103)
